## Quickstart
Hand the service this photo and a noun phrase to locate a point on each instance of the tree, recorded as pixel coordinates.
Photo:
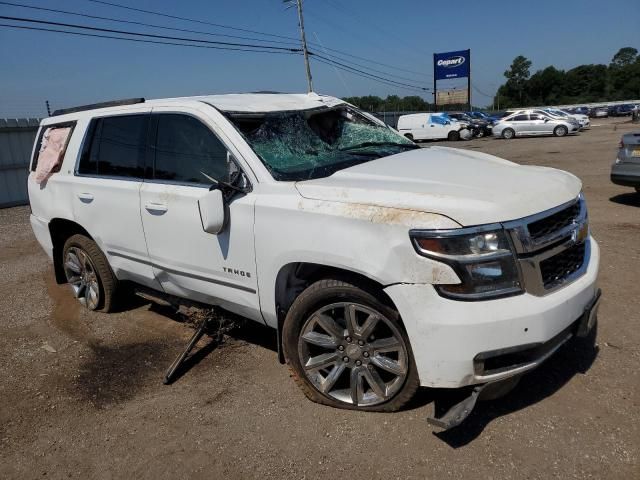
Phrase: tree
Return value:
(518, 74)
(625, 56)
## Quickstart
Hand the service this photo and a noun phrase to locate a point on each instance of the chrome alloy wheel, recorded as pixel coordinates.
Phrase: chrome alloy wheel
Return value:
(82, 277)
(353, 354)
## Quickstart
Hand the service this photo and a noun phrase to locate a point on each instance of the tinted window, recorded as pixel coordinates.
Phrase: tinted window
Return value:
(115, 147)
(187, 151)
(520, 118)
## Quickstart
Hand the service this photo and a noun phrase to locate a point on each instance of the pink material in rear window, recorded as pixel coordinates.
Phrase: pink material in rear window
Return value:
(54, 144)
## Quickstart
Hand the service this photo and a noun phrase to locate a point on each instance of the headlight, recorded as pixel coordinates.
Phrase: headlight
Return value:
(481, 256)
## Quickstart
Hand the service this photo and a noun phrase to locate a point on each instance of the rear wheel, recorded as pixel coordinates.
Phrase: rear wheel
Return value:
(453, 136)
(348, 350)
(560, 131)
(508, 133)
(88, 273)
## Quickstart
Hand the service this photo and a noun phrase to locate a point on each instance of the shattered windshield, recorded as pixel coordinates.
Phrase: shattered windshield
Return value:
(311, 144)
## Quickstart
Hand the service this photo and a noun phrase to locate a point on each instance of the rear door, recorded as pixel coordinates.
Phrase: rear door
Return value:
(521, 124)
(106, 191)
(187, 261)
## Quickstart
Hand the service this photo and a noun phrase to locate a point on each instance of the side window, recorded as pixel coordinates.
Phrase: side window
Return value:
(520, 118)
(188, 151)
(115, 147)
(438, 120)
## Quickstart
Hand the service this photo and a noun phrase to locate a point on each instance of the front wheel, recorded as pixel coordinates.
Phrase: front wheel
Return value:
(347, 349)
(560, 131)
(508, 133)
(453, 136)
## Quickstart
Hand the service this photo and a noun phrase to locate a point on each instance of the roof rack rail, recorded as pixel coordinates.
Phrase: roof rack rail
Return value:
(112, 103)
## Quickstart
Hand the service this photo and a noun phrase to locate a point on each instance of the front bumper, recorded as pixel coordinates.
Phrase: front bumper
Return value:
(447, 336)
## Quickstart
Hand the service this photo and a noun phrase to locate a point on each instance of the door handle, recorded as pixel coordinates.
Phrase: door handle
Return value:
(156, 208)
(85, 197)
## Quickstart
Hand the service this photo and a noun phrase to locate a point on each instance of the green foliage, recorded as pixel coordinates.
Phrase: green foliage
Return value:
(582, 84)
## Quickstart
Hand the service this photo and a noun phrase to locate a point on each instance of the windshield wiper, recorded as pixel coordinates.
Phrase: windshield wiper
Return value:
(378, 144)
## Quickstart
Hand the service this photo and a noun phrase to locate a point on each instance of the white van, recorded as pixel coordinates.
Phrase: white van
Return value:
(428, 126)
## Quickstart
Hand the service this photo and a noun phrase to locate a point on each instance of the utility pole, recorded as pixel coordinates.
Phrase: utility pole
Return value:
(48, 108)
(305, 52)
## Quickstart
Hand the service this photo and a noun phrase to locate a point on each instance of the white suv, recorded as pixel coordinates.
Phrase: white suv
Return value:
(383, 266)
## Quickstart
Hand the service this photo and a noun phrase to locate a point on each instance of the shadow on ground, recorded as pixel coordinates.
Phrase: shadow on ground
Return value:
(629, 199)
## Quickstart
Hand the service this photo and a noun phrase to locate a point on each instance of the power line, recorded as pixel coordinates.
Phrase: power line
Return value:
(363, 74)
(176, 17)
(316, 55)
(292, 39)
(140, 40)
(152, 25)
(124, 32)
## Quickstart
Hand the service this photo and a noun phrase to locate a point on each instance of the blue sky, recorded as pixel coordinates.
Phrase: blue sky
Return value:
(69, 70)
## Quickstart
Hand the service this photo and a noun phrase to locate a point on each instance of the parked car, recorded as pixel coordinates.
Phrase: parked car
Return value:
(532, 123)
(429, 126)
(479, 127)
(599, 112)
(382, 266)
(497, 116)
(621, 110)
(626, 169)
(583, 120)
(578, 110)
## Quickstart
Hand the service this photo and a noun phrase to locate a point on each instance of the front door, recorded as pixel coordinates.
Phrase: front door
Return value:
(187, 157)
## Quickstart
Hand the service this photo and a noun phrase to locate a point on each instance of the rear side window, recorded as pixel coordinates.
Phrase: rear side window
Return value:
(187, 151)
(520, 118)
(115, 147)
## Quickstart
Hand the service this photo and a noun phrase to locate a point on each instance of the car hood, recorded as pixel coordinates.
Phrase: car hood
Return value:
(471, 188)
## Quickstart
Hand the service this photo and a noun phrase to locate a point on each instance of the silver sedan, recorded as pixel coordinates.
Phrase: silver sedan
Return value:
(525, 124)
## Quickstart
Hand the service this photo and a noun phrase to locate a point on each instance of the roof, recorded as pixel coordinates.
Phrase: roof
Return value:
(261, 102)
(230, 103)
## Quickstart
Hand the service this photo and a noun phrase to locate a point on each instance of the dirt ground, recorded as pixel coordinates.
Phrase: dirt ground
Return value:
(81, 394)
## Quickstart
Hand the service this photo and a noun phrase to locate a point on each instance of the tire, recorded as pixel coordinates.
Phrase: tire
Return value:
(480, 133)
(508, 133)
(318, 314)
(409, 136)
(560, 131)
(637, 189)
(89, 274)
(453, 136)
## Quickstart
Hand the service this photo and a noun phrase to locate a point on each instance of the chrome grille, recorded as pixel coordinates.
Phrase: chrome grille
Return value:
(555, 269)
(552, 247)
(554, 222)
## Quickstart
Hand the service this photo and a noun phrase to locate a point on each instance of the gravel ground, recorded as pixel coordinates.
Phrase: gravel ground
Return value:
(82, 394)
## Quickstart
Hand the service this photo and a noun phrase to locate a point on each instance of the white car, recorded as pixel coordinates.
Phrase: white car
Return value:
(430, 126)
(383, 266)
(583, 120)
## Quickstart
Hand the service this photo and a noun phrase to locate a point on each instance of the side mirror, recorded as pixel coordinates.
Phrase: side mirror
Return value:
(213, 212)
(546, 120)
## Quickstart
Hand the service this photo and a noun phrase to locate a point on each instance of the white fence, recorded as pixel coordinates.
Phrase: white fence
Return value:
(16, 142)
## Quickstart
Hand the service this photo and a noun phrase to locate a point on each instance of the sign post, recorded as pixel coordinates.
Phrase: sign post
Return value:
(452, 65)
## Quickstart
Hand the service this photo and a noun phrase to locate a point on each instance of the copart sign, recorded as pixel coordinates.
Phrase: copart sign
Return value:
(451, 64)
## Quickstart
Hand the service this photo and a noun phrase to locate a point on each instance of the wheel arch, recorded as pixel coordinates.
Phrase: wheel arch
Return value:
(60, 230)
(294, 277)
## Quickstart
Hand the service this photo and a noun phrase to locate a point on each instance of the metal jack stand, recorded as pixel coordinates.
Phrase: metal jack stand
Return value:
(200, 331)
